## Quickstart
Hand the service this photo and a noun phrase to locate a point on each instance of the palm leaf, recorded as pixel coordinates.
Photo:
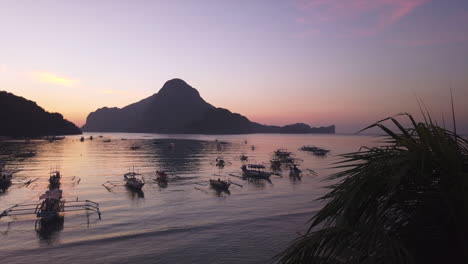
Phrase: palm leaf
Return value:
(385, 198)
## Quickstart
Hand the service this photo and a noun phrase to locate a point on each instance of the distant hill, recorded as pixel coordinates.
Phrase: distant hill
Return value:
(179, 108)
(20, 117)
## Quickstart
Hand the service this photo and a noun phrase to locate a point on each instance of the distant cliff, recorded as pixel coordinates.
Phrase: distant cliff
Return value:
(179, 108)
(20, 117)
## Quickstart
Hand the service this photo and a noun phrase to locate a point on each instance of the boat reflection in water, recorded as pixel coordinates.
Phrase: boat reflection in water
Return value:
(258, 183)
(47, 229)
(294, 178)
(135, 193)
(4, 185)
(219, 192)
(294, 173)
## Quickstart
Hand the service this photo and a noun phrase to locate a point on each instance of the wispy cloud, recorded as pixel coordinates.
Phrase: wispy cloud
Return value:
(376, 14)
(47, 77)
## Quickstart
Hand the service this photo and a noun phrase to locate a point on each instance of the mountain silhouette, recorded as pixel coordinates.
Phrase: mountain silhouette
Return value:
(20, 117)
(179, 108)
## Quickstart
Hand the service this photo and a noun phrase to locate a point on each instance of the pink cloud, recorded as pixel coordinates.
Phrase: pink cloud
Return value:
(383, 13)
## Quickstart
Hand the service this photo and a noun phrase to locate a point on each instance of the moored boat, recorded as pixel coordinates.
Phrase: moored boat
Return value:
(294, 171)
(220, 185)
(255, 171)
(54, 180)
(51, 205)
(243, 157)
(275, 164)
(315, 150)
(5, 179)
(134, 180)
(220, 162)
(282, 153)
(161, 176)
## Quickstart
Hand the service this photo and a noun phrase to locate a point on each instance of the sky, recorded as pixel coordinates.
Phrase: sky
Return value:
(321, 62)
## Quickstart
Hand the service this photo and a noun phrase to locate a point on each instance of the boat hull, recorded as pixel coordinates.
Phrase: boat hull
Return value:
(219, 185)
(256, 174)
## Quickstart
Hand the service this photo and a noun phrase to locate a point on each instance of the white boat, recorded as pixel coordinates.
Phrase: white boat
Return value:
(134, 180)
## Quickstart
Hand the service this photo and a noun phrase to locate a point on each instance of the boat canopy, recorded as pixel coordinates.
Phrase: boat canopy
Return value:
(52, 194)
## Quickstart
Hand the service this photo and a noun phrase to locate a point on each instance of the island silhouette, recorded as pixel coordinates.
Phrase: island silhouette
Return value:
(24, 118)
(179, 108)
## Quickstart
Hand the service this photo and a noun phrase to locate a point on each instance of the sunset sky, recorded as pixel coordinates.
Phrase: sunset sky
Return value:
(343, 62)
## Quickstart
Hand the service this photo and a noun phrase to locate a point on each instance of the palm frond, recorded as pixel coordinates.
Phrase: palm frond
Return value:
(386, 198)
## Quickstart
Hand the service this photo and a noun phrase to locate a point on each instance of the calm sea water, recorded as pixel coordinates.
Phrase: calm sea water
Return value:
(187, 222)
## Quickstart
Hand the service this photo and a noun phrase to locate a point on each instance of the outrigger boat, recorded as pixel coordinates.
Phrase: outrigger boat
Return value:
(243, 157)
(5, 180)
(294, 171)
(282, 153)
(161, 176)
(220, 162)
(134, 180)
(54, 180)
(161, 179)
(322, 152)
(5, 177)
(52, 205)
(275, 164)
(220, 185)
(315, 150)
(255, 171)
(283, 156)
